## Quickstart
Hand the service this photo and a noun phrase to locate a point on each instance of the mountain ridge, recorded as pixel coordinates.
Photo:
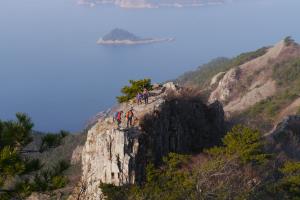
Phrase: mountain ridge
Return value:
(243, 87)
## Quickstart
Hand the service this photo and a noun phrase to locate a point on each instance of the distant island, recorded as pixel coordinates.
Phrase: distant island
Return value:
(122, 37)
(152, 3)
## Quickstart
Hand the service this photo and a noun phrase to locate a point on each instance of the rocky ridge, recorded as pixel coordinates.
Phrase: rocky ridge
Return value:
(243, 86)
(119, 155)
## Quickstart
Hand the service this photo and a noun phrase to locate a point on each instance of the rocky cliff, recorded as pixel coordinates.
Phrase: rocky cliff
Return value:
(173, 121)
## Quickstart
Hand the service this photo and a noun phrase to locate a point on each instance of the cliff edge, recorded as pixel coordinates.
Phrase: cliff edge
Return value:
(173, 121)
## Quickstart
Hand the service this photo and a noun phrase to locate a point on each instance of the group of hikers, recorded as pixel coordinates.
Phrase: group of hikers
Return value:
(129, 114)
(142, 96)
(129, 117)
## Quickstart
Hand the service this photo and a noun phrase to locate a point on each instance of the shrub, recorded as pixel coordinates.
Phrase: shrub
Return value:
(112, 192)
(169, 182)
(52, 140)
(51, 178)
(244, 144)
(287, 72)
(288, 187)
(133, 89)
(58, 182)
(11, 164)
(32, 165)
(289, 40)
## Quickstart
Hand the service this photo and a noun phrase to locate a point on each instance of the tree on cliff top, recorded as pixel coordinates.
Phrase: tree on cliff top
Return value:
(136, 86)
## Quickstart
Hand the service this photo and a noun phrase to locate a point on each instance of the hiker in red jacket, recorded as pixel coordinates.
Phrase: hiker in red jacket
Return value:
(119, 118)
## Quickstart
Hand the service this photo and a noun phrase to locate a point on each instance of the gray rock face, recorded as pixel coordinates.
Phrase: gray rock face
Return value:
(169, 123)
(287, 136)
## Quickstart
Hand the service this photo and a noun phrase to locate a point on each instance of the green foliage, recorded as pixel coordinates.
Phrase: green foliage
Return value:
(18, 169)
(59, 182)
(112, 192)
(32, 165)
(24, 188)
(16, 134)
(169, 182)
(289, 40)
(272, 105)
(246, 57)
(203, 75)
(239, 170)
(51, 140)
(287, 72)
(11, 164)
(136, 86)
(287, 76)
(288, 187)
(298, 111)
(51, 179)
(242, 143)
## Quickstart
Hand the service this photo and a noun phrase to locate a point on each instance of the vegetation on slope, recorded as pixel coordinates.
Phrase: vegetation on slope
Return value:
(203, 75)
(239, 169)
(51, 140)
(287, 77)
(21, 174)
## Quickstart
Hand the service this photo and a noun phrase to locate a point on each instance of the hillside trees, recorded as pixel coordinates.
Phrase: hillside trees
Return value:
(234, 170)
(16, 167)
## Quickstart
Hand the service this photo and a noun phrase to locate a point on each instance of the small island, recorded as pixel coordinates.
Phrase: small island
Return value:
(122, 37)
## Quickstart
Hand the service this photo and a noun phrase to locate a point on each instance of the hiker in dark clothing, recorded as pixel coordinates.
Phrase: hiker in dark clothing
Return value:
(139, 98)
(129, 116)
(146, 95)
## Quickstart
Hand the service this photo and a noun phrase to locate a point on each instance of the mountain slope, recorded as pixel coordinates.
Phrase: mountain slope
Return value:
(263, 86)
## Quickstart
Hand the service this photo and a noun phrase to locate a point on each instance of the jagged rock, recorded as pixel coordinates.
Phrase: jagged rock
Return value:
(156, 86)
(286, 136)
(169, 123)
(217, 78)
(243, 86)
(76, 155)
(170, 86)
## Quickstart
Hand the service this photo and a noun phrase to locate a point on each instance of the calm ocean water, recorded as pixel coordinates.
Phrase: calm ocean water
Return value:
(52, 69)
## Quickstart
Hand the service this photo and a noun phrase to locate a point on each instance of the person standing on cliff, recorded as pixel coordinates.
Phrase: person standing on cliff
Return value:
(119, 118)
(146, 95)
(129, 117)
(139, 97)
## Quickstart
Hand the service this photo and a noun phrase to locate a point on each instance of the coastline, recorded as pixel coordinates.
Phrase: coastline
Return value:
(133, 42)
(146, 5)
